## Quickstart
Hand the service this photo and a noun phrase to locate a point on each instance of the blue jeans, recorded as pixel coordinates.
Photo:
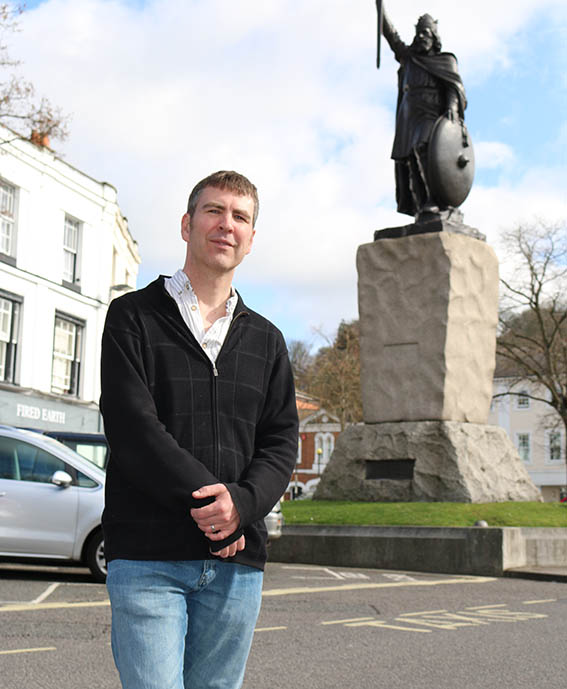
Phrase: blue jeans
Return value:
(182, 625)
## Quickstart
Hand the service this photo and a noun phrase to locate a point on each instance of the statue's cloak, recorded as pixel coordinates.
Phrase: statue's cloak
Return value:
(424, 81)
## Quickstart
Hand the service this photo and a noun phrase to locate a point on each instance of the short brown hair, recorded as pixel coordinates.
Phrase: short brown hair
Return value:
(225, 179)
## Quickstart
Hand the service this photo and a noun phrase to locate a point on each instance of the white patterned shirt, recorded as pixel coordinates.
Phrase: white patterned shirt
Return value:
(179, 287)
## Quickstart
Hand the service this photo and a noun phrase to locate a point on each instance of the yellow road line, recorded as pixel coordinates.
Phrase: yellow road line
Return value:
(27, 650)
(23, 607)
(545, 600)
(352, 619)
(385, 625)
(487, 607)
(268, 629)
(366, 586)
(425, 612)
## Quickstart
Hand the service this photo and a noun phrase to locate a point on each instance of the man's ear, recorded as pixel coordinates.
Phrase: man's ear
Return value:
(185, 222)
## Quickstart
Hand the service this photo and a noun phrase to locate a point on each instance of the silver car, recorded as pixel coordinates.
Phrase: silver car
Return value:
(51, 501)
(274, 522)
(94, 447)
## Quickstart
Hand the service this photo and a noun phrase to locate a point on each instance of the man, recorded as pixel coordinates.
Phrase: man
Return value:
(428, 86)
(199, 410)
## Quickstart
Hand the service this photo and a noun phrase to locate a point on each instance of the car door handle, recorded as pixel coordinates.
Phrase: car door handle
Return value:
(2, 494)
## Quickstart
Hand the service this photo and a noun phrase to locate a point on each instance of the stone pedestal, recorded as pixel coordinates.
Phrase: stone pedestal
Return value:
(428, 461)
(428, 308)
(428, 303)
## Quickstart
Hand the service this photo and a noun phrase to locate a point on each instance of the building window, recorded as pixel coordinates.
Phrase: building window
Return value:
(67, 343)
(324, 446)
(554, 446)
(71, 240)
(9, 329)
(7, 219)
(523, 445)
(522, 400)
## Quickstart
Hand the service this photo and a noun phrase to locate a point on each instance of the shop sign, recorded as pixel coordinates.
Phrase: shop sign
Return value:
(26, 411)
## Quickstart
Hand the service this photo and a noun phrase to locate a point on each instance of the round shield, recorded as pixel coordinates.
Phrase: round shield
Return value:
(450, 162)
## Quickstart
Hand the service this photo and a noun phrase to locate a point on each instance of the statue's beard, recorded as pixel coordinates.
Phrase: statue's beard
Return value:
(421, 49)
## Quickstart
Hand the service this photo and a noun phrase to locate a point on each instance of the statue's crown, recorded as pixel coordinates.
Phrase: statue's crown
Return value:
(427, 21)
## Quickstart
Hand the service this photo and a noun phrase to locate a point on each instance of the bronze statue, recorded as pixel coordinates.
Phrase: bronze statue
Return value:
(434, 162)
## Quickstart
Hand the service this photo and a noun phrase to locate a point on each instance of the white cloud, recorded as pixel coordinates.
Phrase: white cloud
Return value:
(539, 195)
(493, 154)
(286, 92)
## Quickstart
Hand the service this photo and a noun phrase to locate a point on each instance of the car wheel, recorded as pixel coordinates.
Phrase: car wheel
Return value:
(94, 557)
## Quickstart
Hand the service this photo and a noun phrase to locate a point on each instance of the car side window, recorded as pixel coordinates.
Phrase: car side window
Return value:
(9, 466)
(21, 461)
(36, 464)
(84, 481)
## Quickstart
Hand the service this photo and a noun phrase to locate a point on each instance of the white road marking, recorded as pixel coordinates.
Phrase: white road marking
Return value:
(545, 600)
(48, 591)
(334, 574)
(399, 577)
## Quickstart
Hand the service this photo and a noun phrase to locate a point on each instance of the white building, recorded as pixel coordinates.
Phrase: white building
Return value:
(65, 251)
(538, 433)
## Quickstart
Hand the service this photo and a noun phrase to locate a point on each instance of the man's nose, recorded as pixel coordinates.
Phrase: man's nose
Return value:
(226, 222)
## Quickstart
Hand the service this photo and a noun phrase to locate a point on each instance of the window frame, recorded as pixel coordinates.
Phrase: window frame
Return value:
(11, 356)
(11, 220)
(528, 435)
(73, 279)
(325, 440)
(523, 400)
(74, 388)
(549, 446)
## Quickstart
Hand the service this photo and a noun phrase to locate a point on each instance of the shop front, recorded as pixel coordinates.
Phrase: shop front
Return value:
(27, 408)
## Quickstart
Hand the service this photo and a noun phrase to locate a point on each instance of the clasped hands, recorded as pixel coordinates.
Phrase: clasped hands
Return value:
(219, 519)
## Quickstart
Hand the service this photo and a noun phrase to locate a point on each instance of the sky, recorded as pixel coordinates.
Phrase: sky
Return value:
(163, 92)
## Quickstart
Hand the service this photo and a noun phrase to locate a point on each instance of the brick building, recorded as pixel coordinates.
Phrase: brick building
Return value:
(318, 430)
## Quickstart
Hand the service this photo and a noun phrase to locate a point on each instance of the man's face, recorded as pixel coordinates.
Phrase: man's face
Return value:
(423, 41)
(219, 233)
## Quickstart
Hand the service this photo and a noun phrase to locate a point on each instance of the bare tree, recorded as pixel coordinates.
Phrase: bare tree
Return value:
(335, 374)
(24, 115)
(301, 361)
(532, 344)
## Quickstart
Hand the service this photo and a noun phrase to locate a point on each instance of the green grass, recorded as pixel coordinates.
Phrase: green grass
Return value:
(546, 514)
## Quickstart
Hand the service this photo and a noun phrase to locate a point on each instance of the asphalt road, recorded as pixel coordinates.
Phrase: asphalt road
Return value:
(320, 628)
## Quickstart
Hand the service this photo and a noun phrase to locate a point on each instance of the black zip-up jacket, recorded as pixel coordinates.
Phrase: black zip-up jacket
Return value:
(175, 423)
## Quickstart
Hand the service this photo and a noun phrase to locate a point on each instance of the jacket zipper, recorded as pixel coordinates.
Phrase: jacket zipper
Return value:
(215, 410)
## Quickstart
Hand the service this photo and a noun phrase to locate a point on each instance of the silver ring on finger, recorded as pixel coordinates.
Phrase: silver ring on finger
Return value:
(213, 528)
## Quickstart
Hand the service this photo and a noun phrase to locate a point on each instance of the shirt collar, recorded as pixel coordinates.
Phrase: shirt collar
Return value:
(184, 290)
